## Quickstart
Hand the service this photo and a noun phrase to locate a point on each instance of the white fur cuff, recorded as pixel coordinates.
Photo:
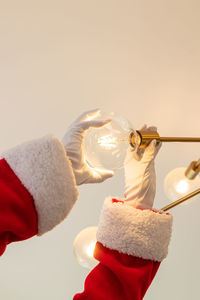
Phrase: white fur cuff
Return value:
(45, 170)
(142, 233)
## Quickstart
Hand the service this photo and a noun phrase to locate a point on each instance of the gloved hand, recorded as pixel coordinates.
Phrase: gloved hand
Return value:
(73, 143)
(140, 177)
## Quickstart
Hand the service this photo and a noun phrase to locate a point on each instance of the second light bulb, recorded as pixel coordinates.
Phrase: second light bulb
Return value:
(176, 184)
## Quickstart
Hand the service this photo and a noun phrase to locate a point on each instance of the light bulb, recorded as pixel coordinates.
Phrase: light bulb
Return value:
(106, 147)
(90, 249)
(182, 186)
(83, 247)
(176, 184)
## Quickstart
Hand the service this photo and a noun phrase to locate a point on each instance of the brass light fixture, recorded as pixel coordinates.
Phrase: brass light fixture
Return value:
(191, 173)
(144, 137)
(106, 147)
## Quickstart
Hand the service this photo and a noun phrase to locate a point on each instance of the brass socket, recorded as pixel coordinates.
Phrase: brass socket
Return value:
(143, 138)
(146, 137)
(193, 170)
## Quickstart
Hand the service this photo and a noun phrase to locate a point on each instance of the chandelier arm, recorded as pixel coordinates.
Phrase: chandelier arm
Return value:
(145, 137)
(181, 200)
(179, 139)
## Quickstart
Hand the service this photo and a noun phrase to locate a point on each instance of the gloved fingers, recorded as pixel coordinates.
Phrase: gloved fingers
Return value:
(158, 146)
(143, 127)
(139, 152)
(133, 154)
(98, 175)
(150, 150)
(152, 128)
(105, 175)
(92, 123)
(87, 115)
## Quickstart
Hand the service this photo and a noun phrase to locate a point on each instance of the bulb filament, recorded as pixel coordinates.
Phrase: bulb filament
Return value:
(109, 142)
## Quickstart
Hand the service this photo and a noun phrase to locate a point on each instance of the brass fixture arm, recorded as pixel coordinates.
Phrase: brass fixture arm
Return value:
(145, 137)
(181, 200)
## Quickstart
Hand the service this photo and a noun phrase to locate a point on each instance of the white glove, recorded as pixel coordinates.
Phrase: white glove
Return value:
(140, 177)
(73, 143)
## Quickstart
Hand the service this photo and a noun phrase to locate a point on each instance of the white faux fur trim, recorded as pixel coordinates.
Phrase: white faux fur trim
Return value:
(142, 233)
(45, 170)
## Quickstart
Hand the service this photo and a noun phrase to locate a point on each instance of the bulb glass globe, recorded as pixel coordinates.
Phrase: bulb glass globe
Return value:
(83, 247)
(176, 184)
(106, 147)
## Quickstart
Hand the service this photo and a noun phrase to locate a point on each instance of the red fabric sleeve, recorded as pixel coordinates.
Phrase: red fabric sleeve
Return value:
(18, 217)
(118, 276)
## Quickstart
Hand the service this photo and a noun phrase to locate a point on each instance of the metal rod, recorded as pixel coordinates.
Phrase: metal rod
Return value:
(144, 137)
(179, 139)
(181, 200)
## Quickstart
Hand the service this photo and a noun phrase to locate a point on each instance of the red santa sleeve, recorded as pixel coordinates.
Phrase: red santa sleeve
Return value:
(131, 244)
(37, 189)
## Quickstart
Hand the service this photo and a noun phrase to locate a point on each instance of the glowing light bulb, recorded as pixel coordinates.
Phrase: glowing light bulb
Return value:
(106, 147)
(90, 249)
(176, 184)
(182, 186)
(83, 247)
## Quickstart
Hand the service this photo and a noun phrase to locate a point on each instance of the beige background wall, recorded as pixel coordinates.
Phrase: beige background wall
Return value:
(139, 58)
